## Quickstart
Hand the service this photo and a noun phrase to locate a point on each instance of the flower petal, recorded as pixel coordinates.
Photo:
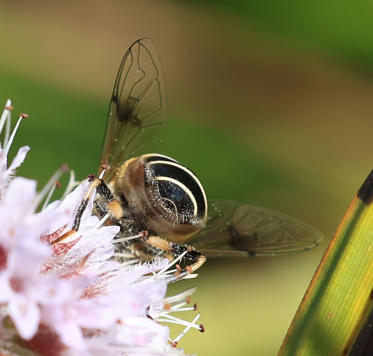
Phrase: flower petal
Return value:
(19, 196)
(25, 316)
(18, 159)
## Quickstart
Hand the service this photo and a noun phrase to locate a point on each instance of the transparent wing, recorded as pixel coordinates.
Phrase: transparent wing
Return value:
(235, 229)
(137, 106)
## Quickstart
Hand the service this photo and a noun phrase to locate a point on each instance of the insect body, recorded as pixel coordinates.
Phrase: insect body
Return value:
(167, 195)
(158, 195)
(161, 200)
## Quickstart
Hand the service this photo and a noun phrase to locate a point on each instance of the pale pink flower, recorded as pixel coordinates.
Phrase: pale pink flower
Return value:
(70, 297)
(21, 284)
(6, 172)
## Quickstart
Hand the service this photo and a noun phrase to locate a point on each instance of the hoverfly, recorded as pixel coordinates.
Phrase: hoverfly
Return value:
(160, 199)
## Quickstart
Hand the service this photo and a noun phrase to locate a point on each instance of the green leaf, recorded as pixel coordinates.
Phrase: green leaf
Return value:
(338, 300)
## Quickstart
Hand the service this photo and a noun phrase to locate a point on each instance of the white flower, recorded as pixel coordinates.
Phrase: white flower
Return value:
(6, 172)
(61, 292)
(23, 253)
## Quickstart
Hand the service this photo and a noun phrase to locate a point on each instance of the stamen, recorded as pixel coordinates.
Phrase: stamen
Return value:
(129, 238)
(191, 276)
(6, 114)
(180, 296)
(177, 308)
(131, 262)
(7, 129)
(50, 193)
(169, 308)
(173, 320)
(102, 221)
(178, 338)
(174, 310)
(70, 185)
(39, 198)
(7, 143)
(174, 276)
(172, 271)
(8, 105)
(176, 260)
(179, 305)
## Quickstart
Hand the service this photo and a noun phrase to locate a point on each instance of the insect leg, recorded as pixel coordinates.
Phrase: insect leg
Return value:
(191, 261)
(114, 208)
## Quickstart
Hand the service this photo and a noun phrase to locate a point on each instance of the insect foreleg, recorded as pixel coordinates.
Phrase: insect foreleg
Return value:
(108, 200)
(113, 207)
(95, 182)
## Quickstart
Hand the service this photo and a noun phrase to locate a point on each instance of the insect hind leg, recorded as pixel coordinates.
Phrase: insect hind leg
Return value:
(192, 259)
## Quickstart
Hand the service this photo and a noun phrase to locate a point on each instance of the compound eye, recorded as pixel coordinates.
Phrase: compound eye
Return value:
(177, 197)
(176, 190)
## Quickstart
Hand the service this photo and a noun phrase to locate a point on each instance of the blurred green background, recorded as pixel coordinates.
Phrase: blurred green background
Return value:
(269, 102)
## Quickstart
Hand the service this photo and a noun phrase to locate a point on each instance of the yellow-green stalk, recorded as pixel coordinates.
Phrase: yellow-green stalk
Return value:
(339, 297)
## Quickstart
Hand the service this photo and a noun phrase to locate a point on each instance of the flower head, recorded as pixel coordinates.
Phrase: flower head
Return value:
(62, 293)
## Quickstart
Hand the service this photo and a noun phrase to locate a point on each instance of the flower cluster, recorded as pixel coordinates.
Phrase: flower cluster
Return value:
(68, 296)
